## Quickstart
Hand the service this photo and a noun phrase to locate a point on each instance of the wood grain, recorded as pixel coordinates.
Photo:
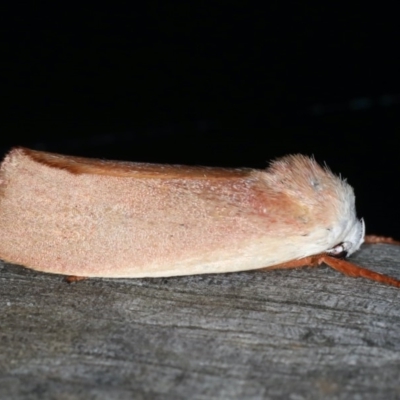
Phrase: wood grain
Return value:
(293, 334)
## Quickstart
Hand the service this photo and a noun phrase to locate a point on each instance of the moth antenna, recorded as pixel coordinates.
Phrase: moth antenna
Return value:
(375, 239)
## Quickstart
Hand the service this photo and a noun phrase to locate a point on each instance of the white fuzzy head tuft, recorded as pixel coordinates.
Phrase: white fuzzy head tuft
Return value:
(329, 200)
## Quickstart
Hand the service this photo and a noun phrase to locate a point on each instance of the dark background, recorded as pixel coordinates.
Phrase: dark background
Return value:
(212, 85)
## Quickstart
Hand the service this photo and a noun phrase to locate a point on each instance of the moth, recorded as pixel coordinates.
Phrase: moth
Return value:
(94, 218)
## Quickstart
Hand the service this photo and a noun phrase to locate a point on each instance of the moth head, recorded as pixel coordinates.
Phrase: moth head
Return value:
(353, 240)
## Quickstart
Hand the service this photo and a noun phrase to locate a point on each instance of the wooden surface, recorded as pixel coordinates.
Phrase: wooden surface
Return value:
(295, 334)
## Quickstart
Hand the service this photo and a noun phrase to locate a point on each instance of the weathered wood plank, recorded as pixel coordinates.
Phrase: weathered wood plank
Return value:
(294, 334)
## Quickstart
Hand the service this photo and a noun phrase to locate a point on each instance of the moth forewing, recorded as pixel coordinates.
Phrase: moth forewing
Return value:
(95, 218)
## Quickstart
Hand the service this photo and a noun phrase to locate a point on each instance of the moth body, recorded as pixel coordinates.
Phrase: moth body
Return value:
(95, 218)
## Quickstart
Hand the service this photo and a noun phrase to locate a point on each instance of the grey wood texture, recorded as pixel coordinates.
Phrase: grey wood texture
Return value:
(290, 334)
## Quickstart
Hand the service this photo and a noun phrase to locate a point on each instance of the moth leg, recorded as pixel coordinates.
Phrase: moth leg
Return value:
(341, 265)
(355, 271)
(73, 278)
(374, 239)
(310, 261)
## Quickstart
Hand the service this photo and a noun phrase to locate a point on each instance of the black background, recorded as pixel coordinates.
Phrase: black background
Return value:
(214, 84)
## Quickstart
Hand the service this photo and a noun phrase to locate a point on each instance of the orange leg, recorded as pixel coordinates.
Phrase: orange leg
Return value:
(73, 278)
(343, 266)
(310, 261)
(350, 269)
